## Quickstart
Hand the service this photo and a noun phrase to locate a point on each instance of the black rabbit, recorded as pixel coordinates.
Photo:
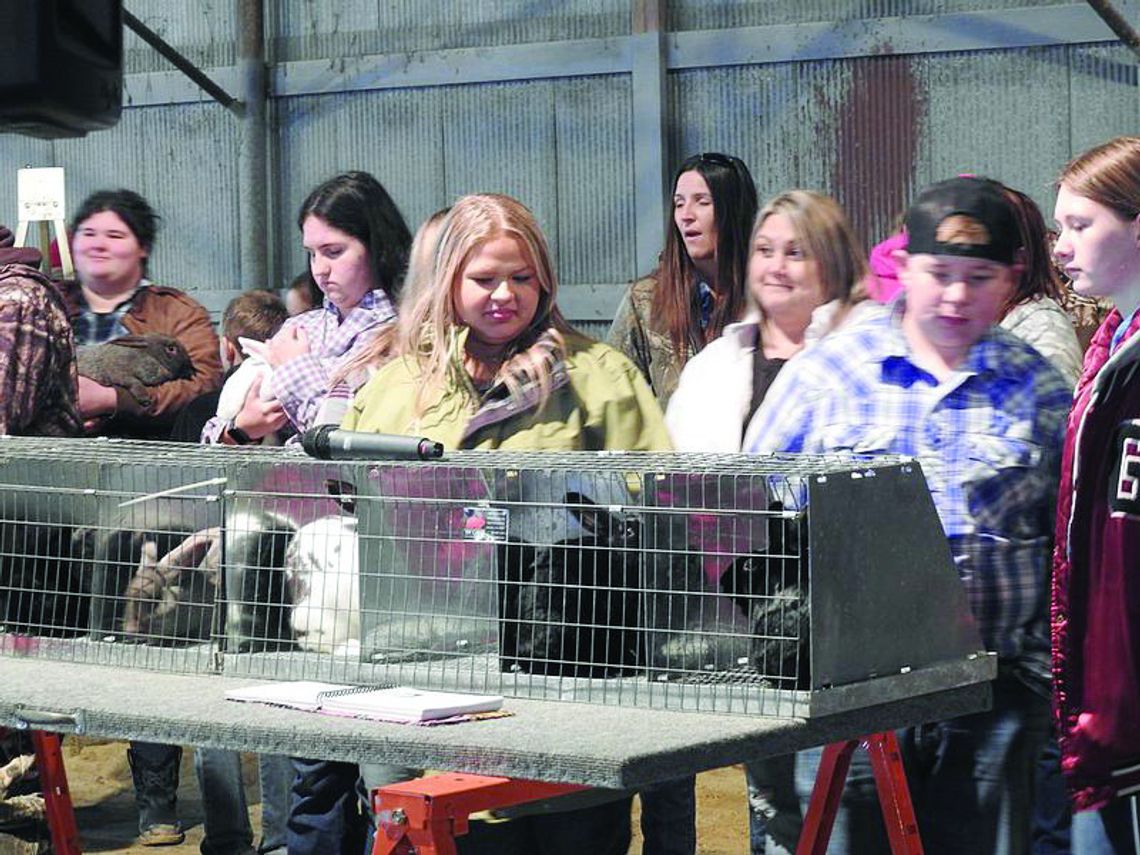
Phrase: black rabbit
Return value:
(770, 587)
(573, 608)
(42, 587)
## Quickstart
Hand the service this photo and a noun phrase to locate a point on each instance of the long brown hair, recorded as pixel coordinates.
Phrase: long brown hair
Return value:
(675, 307)
(1038, 275)
(1108, 174)
(358, 205)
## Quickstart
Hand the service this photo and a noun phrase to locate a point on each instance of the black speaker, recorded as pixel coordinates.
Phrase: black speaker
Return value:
(61, 66)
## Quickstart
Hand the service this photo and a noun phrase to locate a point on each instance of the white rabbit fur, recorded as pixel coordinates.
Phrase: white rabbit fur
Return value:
(237, 387)
(323, 571)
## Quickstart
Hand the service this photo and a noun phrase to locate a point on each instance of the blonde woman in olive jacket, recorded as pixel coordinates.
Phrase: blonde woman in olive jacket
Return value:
(484, 360)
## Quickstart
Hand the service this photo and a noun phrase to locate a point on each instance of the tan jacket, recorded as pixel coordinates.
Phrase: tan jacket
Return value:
(157, 309)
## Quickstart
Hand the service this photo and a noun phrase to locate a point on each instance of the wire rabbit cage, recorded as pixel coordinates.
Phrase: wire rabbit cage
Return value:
(785, 586)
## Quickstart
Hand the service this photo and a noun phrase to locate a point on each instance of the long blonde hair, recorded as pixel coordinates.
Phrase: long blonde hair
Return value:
(421, 257)
(428, 328)
(828, 239)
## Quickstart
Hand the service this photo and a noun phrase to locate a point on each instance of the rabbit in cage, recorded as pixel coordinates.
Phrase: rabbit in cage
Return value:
(322, 568)
(257, 598)
(43, 587)
(574, 608)
(172, 597)
(770, 588)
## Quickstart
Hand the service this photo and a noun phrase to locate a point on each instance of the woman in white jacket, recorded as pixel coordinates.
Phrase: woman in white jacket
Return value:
(805, 277)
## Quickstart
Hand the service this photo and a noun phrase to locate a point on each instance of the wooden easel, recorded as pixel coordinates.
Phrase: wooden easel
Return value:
(41, 200)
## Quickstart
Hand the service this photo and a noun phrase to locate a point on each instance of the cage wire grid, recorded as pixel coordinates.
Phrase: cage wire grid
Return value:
(632, 579)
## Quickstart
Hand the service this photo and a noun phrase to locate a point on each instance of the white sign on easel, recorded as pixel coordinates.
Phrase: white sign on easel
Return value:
(40, 199)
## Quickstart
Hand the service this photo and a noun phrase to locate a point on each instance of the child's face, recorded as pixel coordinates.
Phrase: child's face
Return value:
(1098, 249)
(296, 302)
(952, 300)
(497, 293)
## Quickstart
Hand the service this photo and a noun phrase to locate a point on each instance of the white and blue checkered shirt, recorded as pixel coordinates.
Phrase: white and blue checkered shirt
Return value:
(988, 439)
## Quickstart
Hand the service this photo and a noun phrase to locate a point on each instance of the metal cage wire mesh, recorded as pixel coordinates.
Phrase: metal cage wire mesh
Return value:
(678, 581)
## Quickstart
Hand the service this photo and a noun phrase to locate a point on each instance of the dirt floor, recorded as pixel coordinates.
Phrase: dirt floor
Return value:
(104, 803)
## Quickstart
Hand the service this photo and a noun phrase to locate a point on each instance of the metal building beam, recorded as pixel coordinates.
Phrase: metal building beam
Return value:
(1117, 23)
(1001, 29)
(1068, 24)
(649, 95)
(179, 61)
(254, 227)
(455, 66)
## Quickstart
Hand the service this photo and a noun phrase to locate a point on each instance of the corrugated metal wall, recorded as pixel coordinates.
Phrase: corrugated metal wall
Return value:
(180, 157)
(561, 146)
(868, 125)
(726, 14)
(315, 29)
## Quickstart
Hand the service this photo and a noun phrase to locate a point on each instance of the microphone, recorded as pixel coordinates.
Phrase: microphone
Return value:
(328, 442)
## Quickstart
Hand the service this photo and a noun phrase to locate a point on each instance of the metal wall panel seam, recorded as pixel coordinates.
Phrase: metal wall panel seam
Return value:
(649, 132)
(1074, 23)
(252, 146)
(534, 61)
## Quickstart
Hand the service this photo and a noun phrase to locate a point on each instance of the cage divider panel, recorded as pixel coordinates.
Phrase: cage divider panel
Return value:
(885, 595)
(428, 597)
(708, 522)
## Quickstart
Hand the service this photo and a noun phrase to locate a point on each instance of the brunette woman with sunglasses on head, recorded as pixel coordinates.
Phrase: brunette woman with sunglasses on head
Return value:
(698, 286)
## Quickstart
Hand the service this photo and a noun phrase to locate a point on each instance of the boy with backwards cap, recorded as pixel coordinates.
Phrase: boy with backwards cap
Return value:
(930, 376)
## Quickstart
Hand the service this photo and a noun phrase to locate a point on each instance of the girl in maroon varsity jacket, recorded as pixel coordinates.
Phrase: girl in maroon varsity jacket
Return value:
(1096, 566)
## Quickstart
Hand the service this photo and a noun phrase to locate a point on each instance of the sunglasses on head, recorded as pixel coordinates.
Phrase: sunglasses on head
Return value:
(717, 158)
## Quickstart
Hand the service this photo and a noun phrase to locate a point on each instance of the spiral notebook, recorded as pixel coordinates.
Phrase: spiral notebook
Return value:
(383, 703)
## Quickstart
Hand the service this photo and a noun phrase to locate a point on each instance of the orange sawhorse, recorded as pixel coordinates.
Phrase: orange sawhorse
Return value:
(425, 815)
(57, 796)
(890, 782)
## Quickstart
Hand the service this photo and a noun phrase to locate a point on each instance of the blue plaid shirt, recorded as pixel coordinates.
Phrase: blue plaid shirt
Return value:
(93, 328)
(988, 438)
